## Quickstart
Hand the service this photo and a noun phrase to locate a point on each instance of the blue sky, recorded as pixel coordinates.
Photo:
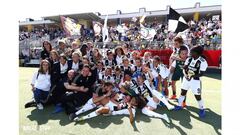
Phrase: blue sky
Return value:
(53, 7)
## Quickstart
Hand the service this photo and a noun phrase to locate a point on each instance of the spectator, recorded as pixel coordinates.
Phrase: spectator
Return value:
(26, 55)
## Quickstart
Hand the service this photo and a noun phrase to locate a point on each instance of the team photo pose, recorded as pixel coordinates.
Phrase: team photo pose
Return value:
(194, 67)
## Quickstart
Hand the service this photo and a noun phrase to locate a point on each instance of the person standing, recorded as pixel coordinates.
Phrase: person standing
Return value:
(194, 67)
(47, 48)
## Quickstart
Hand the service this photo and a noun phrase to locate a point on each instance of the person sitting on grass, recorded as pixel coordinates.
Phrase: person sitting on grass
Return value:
(71, 75)
(101, 97)
(81, 87)
(41, 83)
(114, 107)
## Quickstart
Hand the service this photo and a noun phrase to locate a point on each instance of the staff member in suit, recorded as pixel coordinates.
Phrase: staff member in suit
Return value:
(60, 69)
(54, 57)
(75, 62)
(82, 90)
(71, 75)
(58, 77)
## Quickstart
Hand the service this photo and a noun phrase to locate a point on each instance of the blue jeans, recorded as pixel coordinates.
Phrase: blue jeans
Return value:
(40, 95)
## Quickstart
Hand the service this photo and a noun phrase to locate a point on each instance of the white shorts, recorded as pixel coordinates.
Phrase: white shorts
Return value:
(194, 85)
(111, 105)
(152, 103)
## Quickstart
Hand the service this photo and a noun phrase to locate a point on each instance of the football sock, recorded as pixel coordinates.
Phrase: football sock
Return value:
(180, 100)
(200, 104)
(151, 113)
(88, 106)
(121, 112)
(91, 115)
(161, 98)
(170, 77)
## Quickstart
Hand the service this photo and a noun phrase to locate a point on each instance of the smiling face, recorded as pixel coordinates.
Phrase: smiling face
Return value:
(119, 52)
(145, 69)
(61, 45)
(183, 54)
(75, 57)
(127, 77)
(85, 61)
(85, 71)
(45, 66)
(71, 74)
(99, 66)
(110, 56)
(125, 62)
(134, 55)
(47, 46)
(140, 80)
(54, 56)
(138, 63)
(147, 55)
(74, 46)
(117, 72)
(176, 44)
(108, 71)
(62, 60)
(95, 52)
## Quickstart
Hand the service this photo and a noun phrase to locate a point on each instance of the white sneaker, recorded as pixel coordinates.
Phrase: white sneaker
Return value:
(165, 117)
(170, 107)
(39, 106)
(78, 119)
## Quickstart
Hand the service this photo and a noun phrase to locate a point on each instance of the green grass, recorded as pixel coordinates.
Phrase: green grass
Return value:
(32, 121)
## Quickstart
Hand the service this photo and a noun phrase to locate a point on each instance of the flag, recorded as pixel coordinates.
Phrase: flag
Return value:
(134, 19)
(97, 27)
(122, 29)
(176, 22)
(147, 33)
(70, 26)
(105, 30)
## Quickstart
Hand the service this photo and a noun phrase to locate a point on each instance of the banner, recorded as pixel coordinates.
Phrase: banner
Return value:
(97, 27)
(105, 30)
(176, 22)
(147, 33)
(70, 26)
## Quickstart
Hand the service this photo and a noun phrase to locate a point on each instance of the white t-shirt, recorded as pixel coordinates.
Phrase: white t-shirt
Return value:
(164, 71)
(119, 60)
(103, 77)
(42, 82)
(154, 72)
(176, 50)
(173, 64)
(75, 66)
(63, 67)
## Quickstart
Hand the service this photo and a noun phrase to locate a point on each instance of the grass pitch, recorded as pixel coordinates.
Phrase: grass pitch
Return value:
(184, 122)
